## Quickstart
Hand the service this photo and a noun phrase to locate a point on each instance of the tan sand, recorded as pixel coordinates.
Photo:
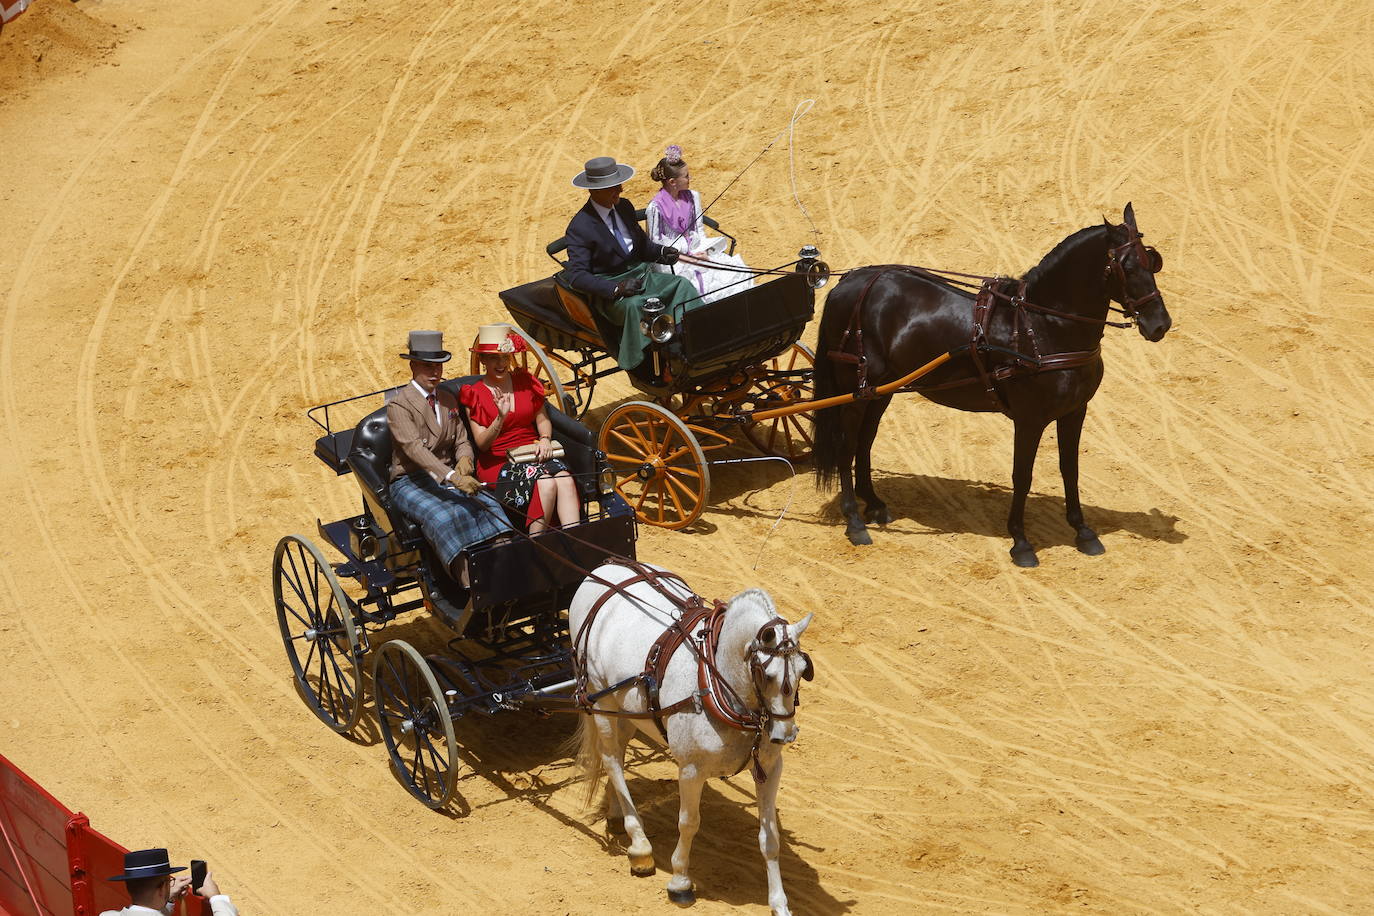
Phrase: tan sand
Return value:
(240, 209)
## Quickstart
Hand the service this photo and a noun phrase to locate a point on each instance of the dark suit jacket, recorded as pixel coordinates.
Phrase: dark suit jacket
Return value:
(594, 254)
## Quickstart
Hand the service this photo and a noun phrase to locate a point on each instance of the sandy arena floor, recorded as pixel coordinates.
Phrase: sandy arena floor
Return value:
(214, 215)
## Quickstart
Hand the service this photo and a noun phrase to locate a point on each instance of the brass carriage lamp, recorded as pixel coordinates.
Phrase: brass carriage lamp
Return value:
(809, 263)
(656, 324)
(654, 321)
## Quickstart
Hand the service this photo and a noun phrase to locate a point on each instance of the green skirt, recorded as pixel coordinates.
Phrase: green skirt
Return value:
(676, 293)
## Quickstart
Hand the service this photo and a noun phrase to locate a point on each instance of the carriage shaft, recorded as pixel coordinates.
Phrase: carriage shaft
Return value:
(803, 406)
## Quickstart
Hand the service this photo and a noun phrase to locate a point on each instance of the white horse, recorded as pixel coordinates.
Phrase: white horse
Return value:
(736, 712)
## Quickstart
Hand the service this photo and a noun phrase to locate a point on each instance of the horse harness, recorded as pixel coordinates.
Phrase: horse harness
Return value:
(699, 627)
(993, 291)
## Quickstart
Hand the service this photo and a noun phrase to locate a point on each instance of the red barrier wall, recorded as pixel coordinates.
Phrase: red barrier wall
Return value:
(52, 862)
(11, 8)
(34, 872)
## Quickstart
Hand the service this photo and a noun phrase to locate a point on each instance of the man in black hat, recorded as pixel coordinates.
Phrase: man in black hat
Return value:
(608, 254)
(152, 889)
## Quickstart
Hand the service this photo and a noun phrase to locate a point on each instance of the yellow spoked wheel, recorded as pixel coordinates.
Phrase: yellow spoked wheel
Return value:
(659, 466)
(534, 361)
(787, 378)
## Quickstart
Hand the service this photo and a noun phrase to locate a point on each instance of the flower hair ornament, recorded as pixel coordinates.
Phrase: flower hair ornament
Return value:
(673, 153)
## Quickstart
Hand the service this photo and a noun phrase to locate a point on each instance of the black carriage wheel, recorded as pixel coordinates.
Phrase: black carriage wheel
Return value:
(786, 379)
(415, 723)
(317, 627)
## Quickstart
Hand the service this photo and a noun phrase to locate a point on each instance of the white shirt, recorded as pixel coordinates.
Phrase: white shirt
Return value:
(618, 231)
(438, 417)
(219, 905)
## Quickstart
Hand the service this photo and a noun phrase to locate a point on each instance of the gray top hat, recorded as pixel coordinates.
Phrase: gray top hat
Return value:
(427, 347)
(602, 172)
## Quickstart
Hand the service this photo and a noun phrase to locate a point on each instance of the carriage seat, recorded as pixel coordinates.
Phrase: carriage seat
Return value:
(370, 460)
(560, 244)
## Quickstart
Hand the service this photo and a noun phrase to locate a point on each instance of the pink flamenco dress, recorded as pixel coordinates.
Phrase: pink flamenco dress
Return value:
(677, 222)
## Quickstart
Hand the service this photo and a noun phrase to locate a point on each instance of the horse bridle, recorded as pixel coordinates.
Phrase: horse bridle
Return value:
(1146, 255)
(783, 647)
(698, 628)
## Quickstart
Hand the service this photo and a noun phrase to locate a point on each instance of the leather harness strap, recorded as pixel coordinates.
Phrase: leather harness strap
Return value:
(840, 354)
(699, 626)
(991, 292)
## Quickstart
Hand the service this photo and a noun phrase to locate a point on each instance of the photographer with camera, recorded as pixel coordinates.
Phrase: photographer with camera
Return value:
(152, 889)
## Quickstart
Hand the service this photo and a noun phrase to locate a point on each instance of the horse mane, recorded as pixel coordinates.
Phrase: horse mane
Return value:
(754, 597)
(1059, 253)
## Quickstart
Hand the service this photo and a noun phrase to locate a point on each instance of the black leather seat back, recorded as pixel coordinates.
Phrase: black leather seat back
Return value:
(370, 460)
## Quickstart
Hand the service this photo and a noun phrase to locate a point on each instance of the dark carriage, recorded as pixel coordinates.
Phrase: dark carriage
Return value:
(510, 648)
(706, 371)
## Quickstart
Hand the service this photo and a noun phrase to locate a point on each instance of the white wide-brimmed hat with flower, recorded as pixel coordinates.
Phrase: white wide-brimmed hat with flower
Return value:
(498, 338)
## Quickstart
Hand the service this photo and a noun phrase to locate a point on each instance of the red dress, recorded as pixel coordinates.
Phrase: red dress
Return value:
(518, 429)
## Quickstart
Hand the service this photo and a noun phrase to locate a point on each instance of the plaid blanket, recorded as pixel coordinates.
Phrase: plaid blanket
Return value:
(450, 520)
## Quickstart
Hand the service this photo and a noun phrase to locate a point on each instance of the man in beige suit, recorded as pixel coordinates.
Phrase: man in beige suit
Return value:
(431, 459)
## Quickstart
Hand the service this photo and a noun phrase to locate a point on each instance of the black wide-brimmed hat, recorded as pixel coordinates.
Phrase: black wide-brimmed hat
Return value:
(603, 172)
(146, 863)
(427, 347)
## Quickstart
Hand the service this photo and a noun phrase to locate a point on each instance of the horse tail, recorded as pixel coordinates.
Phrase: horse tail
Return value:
(585, 747)
(827, 434)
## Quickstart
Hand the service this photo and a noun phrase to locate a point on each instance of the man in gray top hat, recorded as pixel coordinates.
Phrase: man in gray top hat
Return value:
(432, 462)
(608, 254)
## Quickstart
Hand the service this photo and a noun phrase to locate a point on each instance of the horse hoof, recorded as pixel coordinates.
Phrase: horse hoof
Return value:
(642, 866)
(859, 537)
(878, 515)
(1091, 546)
(682, 898)
(615, 825)
(1024, 557)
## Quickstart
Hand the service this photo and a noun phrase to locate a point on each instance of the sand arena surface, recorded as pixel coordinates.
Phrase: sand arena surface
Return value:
(238, 210)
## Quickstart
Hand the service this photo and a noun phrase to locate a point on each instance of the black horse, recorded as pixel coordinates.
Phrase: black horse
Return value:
(1030, 349)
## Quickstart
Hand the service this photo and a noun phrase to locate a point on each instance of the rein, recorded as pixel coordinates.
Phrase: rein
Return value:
(699, 628)
(992, 291)
(797, 114)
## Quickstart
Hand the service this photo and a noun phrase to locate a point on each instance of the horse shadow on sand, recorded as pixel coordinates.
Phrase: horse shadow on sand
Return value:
(949, 505)
(525, 755)
(726, 864)
(926, 504)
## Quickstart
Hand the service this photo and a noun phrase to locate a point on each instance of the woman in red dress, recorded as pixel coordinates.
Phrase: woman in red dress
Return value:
(506, 410)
